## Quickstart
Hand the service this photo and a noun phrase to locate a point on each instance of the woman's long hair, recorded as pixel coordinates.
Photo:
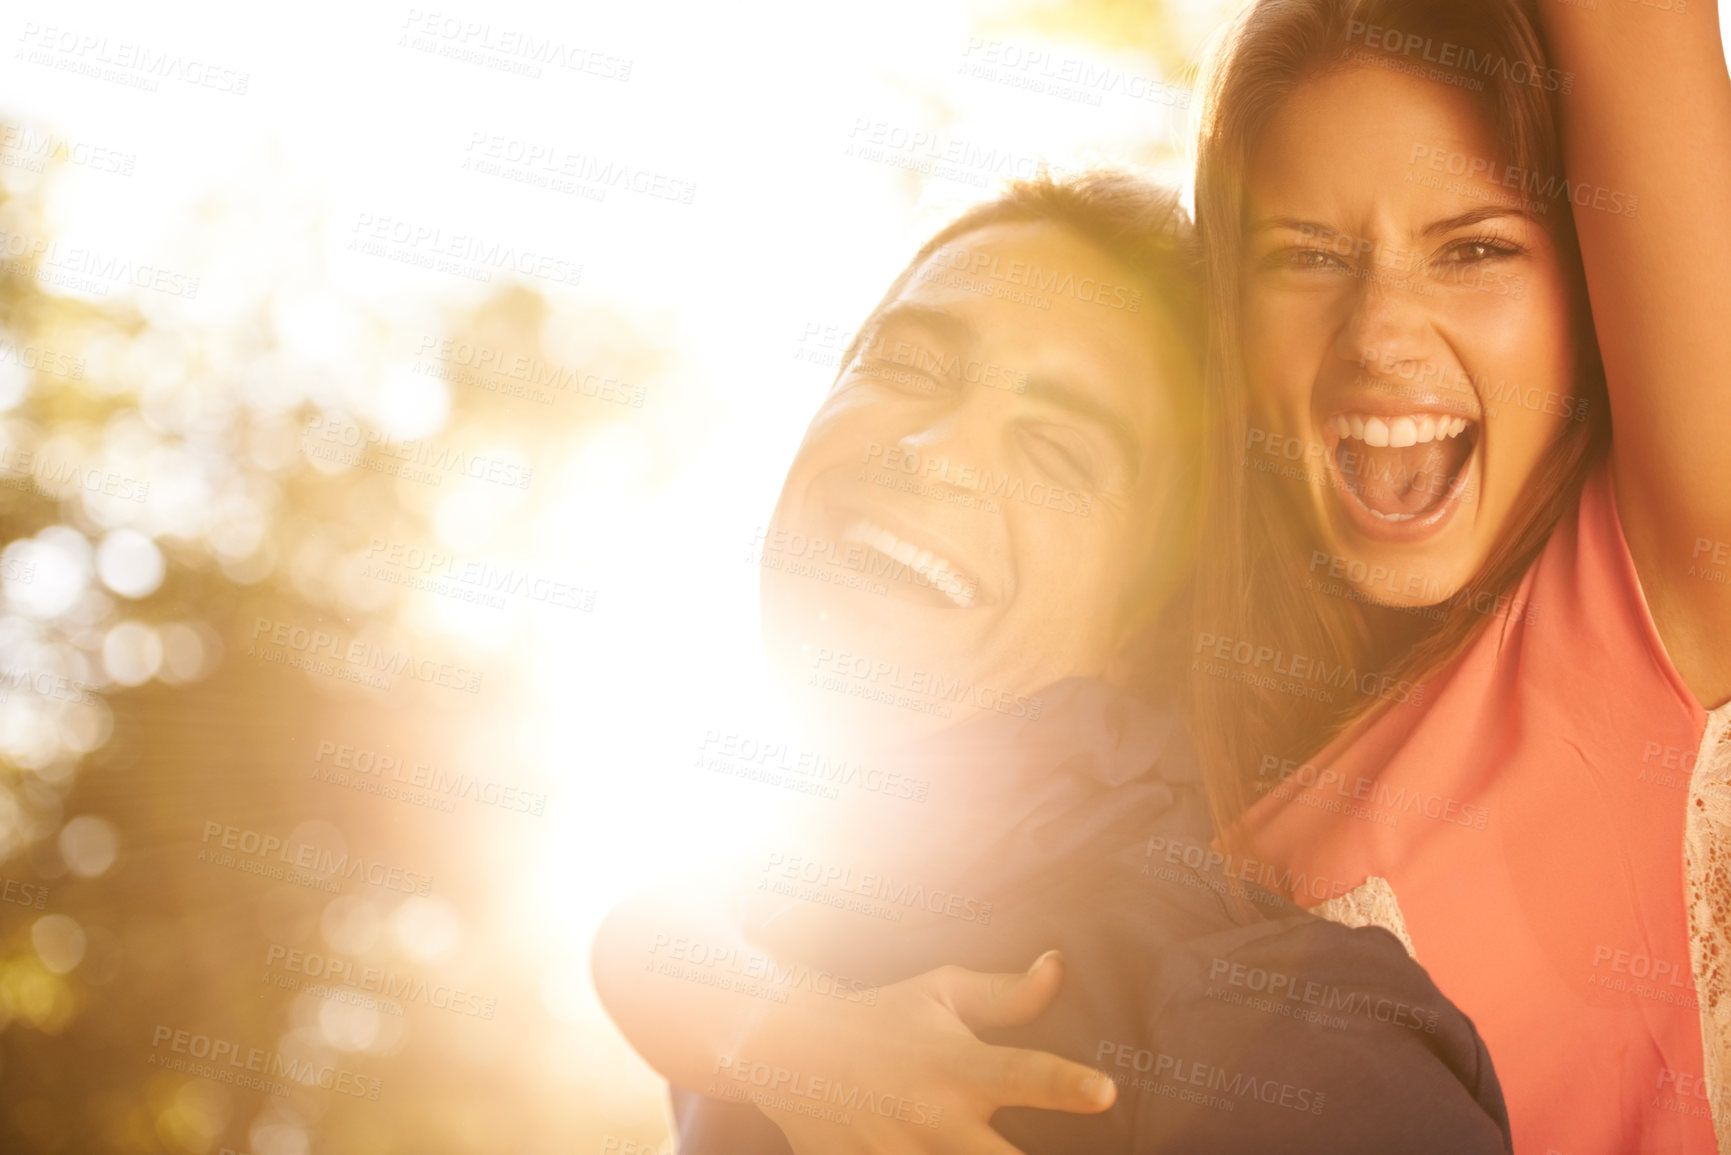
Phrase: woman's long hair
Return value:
(1258, 527)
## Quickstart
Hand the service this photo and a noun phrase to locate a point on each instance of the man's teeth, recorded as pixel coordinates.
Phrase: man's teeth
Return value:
(1398, 432)
(937, 571)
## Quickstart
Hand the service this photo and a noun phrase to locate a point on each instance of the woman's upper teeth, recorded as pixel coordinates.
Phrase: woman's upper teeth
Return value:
(1398, 432)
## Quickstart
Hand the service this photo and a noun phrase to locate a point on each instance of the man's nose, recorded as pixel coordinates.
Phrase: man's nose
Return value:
(960, 440)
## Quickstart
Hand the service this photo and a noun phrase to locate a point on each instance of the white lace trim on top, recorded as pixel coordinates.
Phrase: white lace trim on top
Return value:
(1707, 879)
(1371, 903)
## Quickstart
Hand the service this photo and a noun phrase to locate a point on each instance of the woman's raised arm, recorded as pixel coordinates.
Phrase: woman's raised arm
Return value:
(1649, 117)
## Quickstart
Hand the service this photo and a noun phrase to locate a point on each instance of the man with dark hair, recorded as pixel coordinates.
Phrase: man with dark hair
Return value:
(990, 519)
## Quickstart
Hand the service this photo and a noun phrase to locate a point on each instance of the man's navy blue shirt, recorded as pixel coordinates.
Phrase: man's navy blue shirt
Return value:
(1231, 1020)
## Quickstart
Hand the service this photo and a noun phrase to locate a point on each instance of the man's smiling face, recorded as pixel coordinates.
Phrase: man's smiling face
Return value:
(984, 481)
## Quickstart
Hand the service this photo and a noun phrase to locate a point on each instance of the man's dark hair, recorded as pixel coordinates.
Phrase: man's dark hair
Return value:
(1140, 225)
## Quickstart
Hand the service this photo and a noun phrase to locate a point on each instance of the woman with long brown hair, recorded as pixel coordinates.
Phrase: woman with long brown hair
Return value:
(1459, 636)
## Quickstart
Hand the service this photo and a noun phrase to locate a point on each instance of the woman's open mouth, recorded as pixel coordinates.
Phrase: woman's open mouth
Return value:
(1400, 476)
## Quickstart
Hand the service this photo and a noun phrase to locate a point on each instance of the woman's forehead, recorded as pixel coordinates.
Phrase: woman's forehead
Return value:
(1355, 125)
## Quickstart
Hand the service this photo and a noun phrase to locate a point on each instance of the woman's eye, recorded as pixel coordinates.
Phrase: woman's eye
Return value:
(1308, 261)
(1467, 252)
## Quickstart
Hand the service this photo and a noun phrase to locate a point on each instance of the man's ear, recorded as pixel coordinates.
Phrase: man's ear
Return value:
(1120, 670)
(1137, 646)
(1146, 641)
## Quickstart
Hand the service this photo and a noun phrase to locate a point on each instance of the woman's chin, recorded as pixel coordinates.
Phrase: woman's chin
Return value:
(1390, 575)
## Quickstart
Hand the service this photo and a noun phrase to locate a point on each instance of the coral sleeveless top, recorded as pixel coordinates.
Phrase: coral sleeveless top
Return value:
(1547, 832)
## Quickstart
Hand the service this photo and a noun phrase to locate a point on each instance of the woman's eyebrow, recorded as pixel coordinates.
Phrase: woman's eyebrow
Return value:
(1268, 224)
(1063, 396)
(1435, 228)
(1472, 217)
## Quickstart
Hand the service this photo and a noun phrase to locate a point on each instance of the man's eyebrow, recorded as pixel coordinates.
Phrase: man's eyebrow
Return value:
(1063, 396)
(944, 322)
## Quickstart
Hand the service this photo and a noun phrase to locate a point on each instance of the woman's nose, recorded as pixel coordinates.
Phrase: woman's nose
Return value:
(1388, 332)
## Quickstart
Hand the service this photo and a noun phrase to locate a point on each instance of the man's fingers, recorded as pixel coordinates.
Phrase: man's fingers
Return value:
(956, 1135)
(984, 1000)
(978, 1139)
(1013, 1077)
